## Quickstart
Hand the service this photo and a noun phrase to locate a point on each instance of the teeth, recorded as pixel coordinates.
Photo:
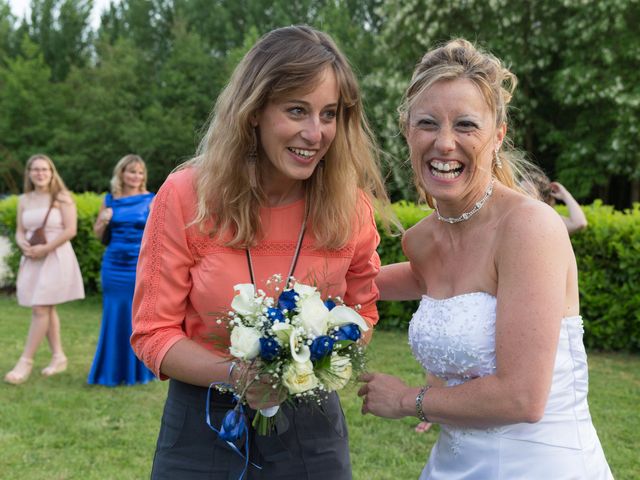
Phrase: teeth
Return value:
(447, 175)
(446, 170)
(303, 153)
(445, 166)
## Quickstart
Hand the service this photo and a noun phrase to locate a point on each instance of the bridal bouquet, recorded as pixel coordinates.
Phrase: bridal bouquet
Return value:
(307, 346)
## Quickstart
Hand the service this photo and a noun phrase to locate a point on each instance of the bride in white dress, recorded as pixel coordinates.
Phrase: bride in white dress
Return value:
(499, 320)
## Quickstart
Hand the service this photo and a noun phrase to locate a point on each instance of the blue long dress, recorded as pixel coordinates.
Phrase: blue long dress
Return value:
(115, 363)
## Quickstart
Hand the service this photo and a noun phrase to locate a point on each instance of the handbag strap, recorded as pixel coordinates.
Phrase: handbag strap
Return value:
(44, 222)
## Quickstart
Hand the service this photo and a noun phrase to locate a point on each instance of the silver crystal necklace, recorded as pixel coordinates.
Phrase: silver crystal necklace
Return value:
(467, 215)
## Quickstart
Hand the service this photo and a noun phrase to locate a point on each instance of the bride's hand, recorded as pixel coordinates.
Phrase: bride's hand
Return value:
(383, 395)
(422, 427)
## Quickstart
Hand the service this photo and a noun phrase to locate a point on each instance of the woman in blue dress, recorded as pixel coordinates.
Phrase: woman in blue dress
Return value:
(124, 212)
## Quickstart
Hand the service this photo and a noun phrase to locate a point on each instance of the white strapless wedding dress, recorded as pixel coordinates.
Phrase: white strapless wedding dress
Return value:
(454, 339)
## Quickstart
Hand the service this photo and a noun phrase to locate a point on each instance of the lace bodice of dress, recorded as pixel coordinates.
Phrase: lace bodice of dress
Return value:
(454, 338)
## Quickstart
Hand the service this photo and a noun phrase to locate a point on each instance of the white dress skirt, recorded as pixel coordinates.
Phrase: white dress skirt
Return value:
(454, 339)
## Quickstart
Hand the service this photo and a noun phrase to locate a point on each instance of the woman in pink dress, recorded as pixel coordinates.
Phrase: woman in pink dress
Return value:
(49, 273)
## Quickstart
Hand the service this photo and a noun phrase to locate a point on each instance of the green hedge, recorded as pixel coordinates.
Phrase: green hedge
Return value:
(396, 315)
(88, 249)
(608, 254)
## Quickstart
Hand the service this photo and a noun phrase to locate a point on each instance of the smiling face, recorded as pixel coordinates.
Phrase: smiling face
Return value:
(133, 177)
(40, 174)
(452, 138)
(295, 133)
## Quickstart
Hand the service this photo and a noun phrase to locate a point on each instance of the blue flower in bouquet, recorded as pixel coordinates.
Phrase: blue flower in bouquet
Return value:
(321, 347)
(275, 314)
(269, 348)
(233, 425)
(330, 304)
(287, 300)
(349, 331)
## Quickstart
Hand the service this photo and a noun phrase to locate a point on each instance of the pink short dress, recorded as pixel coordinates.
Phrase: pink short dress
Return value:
(55, 278)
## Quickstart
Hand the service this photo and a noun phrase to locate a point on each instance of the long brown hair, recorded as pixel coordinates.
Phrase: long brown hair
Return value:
(56, 185)
(284, 61)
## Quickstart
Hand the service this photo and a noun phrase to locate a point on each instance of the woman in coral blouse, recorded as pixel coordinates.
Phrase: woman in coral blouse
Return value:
(287, 162)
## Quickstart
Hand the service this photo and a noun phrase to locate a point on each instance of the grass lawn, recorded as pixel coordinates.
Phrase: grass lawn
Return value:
(62, 428)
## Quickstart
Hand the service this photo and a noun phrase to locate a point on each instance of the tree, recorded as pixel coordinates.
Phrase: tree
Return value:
(102, 105)
(147, 79)
(598, 88)
(28, 103)
(8, 36)
(187, 84)
(576, 107)
(145, 23)
(61, 29)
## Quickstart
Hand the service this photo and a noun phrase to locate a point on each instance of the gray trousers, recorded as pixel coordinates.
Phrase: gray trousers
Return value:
(314, 446)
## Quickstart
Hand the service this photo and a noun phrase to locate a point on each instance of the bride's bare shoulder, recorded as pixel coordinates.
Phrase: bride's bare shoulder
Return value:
(525, 219)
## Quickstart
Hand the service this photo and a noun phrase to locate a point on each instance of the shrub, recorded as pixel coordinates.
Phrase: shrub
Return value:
(607, 251)
(396, 315)
(608, 255)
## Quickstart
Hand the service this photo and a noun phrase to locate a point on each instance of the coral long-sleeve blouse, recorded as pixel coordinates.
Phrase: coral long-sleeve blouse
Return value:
(185, 279)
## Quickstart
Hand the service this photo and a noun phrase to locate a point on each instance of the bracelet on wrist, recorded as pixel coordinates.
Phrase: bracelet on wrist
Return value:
(419, 398)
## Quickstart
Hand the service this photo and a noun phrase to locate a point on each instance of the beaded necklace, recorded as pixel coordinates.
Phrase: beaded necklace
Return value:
(467, 215)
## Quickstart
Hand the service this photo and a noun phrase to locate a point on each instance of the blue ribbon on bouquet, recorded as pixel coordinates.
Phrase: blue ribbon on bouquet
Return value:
(234, 425)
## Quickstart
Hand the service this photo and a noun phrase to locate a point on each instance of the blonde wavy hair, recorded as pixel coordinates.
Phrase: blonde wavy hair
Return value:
(456, 59)
(117, 181)
(56, 185)
(283, 62)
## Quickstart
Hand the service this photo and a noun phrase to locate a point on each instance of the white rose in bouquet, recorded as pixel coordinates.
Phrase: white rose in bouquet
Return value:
(338, 374)
(282, 331)
(299, 377)
(303, 290)
(245, 301)
(245, 342)
(299, 350)
(313, 314)
(341, 315)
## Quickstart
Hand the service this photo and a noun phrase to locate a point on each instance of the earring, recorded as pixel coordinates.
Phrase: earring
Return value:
(252, 158)
(497, 159)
